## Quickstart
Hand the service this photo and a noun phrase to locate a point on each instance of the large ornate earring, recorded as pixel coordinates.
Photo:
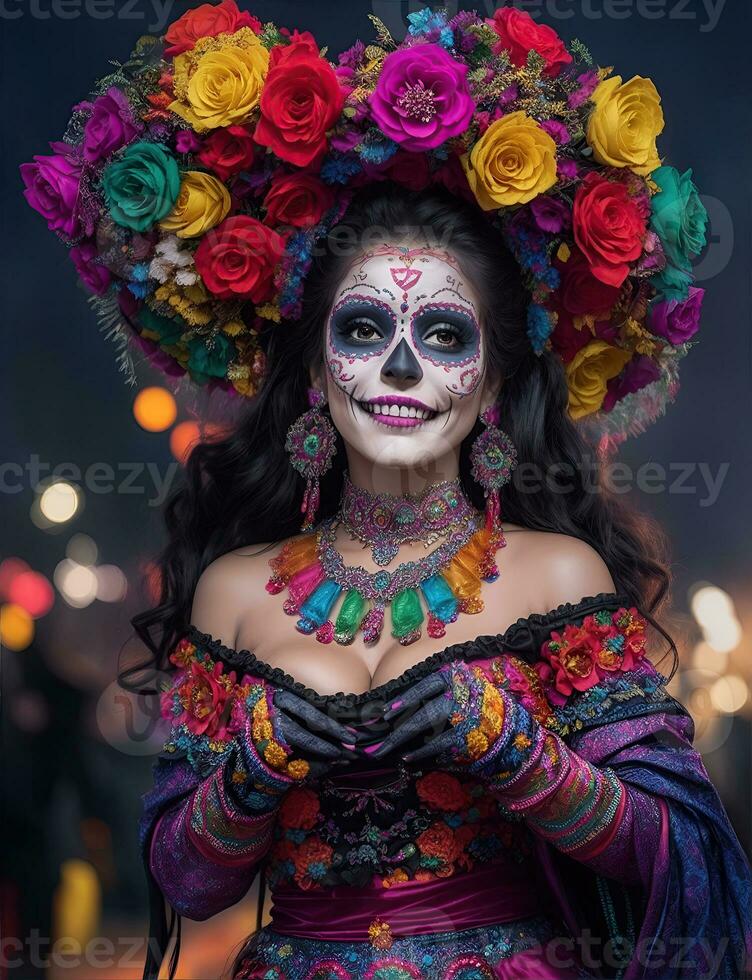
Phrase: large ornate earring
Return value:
(493, 457)
(311, 442)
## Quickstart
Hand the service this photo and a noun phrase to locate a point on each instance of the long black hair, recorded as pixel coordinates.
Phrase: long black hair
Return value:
(241, 490)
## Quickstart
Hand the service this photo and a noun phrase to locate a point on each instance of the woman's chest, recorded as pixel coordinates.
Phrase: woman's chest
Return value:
(331, 668)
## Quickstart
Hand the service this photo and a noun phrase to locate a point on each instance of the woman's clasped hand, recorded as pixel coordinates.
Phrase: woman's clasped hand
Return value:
(456, 717)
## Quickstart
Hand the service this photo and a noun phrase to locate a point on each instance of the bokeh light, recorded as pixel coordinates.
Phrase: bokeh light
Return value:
(112, 585)
(77, 584)
(154, 409)
(183, 438)
(59, 502)
(16, 627)
(713, 608)
(729, 693)
(33, 592)
(82, 549)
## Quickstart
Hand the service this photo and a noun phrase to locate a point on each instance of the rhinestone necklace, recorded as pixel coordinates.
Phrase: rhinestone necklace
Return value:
(448, 580)
(384, 521)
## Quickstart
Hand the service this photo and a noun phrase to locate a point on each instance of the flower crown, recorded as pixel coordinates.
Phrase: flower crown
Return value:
(194, 182)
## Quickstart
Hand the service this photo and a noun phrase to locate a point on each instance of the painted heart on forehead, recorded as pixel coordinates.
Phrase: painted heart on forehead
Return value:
(406, 374)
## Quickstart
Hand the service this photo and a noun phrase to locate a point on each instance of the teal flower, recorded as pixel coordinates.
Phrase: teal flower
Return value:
(142, 186)
(168, 329)
(680, 220)
(205, 363)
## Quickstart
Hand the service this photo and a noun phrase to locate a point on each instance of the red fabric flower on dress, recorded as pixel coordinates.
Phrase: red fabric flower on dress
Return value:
(312, 860)
(206, 696)
(442, 791)
(299, 809)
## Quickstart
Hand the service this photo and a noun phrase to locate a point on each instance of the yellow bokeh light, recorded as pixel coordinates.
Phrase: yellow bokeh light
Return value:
(59, 502)
(16, 627)
(729, 694)
(182, 440)
(154, 409)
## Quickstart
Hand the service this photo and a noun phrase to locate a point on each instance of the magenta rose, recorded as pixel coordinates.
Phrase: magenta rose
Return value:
(52, 190)
(422, 97)
(638, 373)
(110, 125)
(677, 320)
(95, 277)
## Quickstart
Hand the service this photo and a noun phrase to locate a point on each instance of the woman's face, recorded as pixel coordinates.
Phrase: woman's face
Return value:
(405, 365)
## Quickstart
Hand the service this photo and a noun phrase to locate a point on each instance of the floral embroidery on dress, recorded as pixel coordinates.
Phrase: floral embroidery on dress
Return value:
(584, 670)
(436, 826)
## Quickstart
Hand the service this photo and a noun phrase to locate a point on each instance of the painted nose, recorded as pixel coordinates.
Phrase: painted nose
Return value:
(402, 365)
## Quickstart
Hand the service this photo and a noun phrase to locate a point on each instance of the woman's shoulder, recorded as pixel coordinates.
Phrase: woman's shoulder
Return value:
(229, 588)
(560, 568)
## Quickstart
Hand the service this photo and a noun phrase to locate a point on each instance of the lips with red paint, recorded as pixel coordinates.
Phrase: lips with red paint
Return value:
(397, 410)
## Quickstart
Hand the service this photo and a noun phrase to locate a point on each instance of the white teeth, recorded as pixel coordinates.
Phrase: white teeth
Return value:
(396, 411)
(412, 412)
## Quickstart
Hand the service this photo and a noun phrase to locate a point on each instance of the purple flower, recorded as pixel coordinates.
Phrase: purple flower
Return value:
(638, 373)
(110, 125)
(677, 320)
(95, 277)
(186, 141)
(422, 97)
(566, 168)
(550, 213)
(588, 84)
(353, 56)
(556, 130)
(52, 189)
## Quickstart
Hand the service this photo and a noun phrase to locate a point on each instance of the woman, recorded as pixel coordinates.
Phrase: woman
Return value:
(489, 266)
(585, 810)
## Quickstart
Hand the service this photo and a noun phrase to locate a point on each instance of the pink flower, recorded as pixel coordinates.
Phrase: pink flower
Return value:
(588, 84)
(573, 655)
(95, 276)
(110, 125)
(52, 184)
(204, 695)
(677, 320)
(566, 168)
(556, 130)
(422, 97)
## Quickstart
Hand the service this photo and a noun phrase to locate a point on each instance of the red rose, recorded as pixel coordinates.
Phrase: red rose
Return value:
(438, 841)
(227, 151)
(566, 338)
(442, 791)
(297, 199)
(519, 34)
(237, 259)
(580, 292)
(300, 101)
(299, 809)
(608, 227)
(208, 20)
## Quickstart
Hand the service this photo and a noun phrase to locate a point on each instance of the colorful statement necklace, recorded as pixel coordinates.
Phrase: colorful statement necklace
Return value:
(448, 579)
(385, 521)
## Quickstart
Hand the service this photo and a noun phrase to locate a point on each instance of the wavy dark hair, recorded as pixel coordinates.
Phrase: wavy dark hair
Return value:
(241, 490)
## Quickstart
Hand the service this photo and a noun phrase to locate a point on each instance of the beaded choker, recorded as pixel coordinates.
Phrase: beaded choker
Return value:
(448, 580)
(385, 521)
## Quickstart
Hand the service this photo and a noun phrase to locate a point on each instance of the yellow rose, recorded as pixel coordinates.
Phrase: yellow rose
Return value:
(623, 127)
(220, 86)
(587, 373)
(203, 201)
(513, 162)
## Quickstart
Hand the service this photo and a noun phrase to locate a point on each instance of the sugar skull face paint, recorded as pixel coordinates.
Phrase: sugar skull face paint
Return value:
(405, 355)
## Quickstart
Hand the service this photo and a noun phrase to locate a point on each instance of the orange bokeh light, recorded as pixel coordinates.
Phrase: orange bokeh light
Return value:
(154, 409)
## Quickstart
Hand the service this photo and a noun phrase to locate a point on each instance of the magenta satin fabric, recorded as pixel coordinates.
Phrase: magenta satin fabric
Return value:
(495, 894)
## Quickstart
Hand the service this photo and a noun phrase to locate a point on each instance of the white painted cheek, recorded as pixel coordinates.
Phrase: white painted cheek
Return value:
(460, 380)
(356, 374)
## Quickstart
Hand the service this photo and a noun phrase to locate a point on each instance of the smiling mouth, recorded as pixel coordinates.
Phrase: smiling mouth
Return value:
(397, 411)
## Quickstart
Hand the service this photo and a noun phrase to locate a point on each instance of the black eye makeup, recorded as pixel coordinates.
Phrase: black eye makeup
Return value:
(446, 332)
(359, 324)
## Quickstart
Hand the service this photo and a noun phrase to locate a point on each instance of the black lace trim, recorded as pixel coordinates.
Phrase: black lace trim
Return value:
(522, 637)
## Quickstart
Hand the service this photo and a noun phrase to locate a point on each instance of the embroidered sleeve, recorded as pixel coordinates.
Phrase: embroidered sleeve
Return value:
(206, 848)
(586, 669)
